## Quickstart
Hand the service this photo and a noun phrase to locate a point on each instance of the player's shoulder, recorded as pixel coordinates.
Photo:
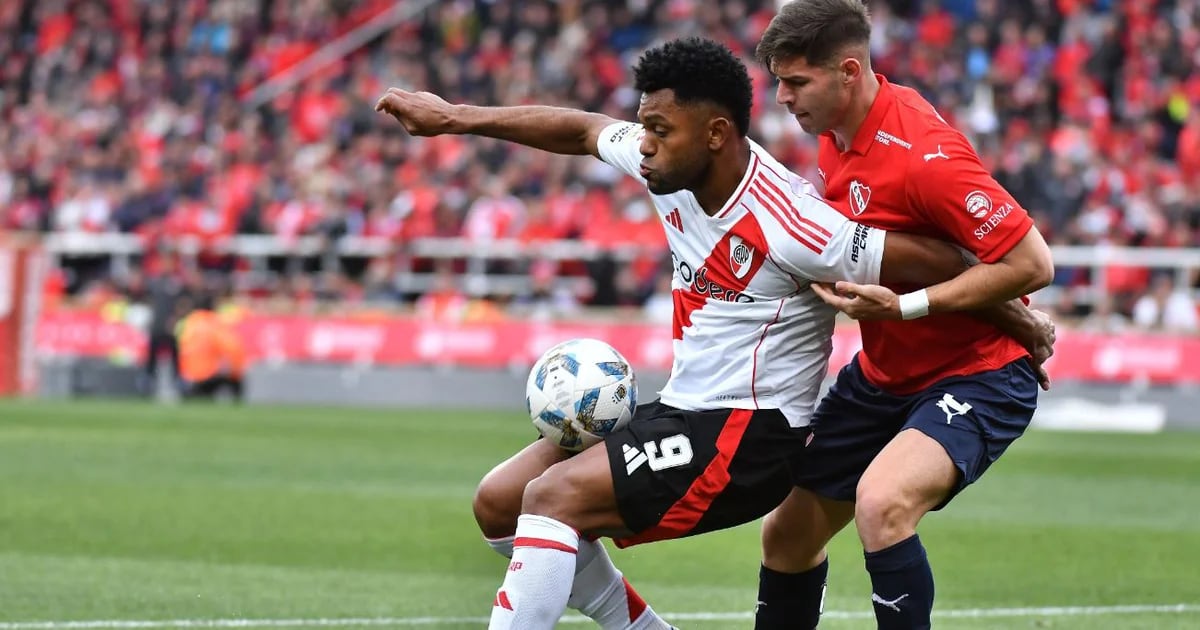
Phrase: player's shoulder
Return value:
(923, 123)
(770, 170)
(938, 148)
(788, 208)
(917, 113)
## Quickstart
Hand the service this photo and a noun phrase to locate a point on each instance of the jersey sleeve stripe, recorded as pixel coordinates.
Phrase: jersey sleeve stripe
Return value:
(787, 225)
(792, 213)
(804, 220)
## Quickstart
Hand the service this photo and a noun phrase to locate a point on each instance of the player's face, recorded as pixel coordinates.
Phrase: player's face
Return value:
(675, 152)
(816, 95)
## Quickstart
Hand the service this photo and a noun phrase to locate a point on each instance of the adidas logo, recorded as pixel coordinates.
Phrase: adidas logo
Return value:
(633, 458)
(675, 220)
(502, 601)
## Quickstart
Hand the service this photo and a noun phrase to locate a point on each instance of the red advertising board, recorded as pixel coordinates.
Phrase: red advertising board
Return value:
(404, 341)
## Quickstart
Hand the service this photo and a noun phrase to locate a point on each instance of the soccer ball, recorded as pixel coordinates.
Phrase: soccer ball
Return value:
(579, 391)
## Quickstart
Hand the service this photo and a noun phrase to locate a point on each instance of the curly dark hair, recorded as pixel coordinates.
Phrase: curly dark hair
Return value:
(698, 70)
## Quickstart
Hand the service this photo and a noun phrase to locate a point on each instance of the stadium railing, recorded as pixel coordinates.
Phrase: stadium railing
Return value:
(123, 250)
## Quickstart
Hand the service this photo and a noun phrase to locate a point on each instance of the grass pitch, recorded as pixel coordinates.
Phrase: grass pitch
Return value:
(127, 515)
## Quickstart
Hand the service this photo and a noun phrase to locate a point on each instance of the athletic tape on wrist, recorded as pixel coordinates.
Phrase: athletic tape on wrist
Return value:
(914, 304)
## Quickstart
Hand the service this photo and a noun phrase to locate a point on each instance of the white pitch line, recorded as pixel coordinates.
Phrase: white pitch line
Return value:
(131, 624)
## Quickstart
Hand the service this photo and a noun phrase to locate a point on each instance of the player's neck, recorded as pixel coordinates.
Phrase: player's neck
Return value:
(860, 106)
(723, 180)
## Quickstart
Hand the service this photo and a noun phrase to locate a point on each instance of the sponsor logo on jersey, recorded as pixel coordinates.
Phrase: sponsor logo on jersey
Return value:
(622, 131)
(978, 204)
(741, 256)
(996, 219)
(860, 241)
(701, 282)
(883, 137)
(860, 196)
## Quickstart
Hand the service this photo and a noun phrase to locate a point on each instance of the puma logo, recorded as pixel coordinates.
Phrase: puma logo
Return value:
(893, 604)
(939, 154)
(951, 407)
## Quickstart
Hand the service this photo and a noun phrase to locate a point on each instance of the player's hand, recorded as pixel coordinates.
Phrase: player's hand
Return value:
(1041, 345)
(421, 113)
(860, 301)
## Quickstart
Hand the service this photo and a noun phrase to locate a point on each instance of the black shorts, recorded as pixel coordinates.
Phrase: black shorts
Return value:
(974, 417)
(680, 473)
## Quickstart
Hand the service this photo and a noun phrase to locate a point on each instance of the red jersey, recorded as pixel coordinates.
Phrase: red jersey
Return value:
(907, 170)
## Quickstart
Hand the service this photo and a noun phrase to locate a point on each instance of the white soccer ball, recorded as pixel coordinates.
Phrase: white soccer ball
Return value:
(579, 391)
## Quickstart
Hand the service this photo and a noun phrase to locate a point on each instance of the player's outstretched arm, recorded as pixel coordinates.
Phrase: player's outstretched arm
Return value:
(554, 129)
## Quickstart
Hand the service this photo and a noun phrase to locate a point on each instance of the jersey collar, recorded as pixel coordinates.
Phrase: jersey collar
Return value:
(864, 139)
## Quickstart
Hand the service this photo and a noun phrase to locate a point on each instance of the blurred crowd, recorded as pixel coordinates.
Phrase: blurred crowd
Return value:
(142, 117)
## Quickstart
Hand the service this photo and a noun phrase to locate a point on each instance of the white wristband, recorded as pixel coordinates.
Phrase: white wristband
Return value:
(914, 304)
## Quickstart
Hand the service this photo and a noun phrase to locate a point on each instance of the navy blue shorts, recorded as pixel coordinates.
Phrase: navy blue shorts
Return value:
(973, 417)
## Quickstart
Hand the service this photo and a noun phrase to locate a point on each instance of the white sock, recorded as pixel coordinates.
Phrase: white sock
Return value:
(502, 546)
(534, 594)
(600, 591)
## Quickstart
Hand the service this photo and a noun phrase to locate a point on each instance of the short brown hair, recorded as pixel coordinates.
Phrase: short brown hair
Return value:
(816, 30)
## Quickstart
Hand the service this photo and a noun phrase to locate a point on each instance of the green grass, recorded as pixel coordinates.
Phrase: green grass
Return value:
(140, 512)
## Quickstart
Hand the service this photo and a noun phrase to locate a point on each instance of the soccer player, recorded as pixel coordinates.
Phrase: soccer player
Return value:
(934, 397)
(752, 342)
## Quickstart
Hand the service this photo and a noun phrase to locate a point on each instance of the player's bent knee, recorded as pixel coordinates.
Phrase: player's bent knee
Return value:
(881, 512)
(789, 547)
(551, 494)
(496, 505)
(565, 492)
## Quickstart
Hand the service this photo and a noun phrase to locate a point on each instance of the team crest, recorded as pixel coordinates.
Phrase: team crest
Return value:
(741, 256)
(860, 196)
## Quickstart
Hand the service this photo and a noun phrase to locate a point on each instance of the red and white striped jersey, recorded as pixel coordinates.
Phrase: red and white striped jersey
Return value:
(749, 333)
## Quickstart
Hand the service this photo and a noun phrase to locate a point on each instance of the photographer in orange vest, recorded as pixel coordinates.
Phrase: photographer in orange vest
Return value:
(212, 357)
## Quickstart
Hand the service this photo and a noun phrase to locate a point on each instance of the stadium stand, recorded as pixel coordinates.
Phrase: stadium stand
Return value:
(129, 137)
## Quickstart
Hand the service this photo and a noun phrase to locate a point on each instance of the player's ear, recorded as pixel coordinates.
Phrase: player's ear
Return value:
(850, 69)
(720, 131)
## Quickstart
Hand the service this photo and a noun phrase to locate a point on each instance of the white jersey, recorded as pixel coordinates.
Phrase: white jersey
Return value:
(748, 331)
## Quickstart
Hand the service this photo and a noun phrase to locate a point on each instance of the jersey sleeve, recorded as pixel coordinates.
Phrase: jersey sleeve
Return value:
(825, 246)
(619, 144)
(949, 185)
